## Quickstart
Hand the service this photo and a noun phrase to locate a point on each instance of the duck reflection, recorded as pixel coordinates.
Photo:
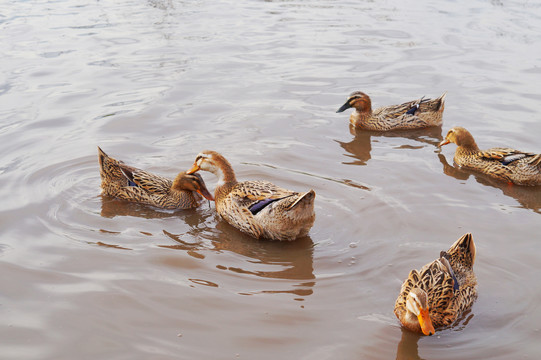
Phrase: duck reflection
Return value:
(529, 197)
(360, 147)
(407, 348)
(111, 207)
(288, 260)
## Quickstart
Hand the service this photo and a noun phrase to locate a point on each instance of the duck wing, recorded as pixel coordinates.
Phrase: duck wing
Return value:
(439, 284)
(504, 155)
(434, 279)
(250, 192)
(147, 181)
(396, 111)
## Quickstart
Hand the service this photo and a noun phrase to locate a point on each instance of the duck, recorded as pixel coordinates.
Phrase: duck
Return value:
(436, 296)
(136, 185)
(260, 209)
(414, 114)
(506, 164)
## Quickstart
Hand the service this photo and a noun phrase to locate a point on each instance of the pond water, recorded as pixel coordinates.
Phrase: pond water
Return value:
(155, 82)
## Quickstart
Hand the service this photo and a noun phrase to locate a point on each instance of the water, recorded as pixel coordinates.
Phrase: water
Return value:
(155, 82)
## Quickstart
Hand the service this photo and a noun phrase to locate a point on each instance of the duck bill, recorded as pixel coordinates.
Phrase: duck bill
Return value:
(344, 107)
(444, 142)
(205, 193)
(425, 322)
(194, 168)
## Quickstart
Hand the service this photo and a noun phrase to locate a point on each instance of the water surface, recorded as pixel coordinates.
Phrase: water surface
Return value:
(155, 82)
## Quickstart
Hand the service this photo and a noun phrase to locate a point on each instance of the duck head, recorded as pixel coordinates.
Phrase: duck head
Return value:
(215, 163)
(359, 101)
(417, 307)
(459, 136)
(191, 182)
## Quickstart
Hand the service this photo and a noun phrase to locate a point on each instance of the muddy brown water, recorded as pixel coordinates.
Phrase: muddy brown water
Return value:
(155, 82)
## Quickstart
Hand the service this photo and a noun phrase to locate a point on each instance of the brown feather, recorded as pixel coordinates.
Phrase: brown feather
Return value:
(445, 303)
(118, 180)
(507, 164)
(290, 216)
(395, 117)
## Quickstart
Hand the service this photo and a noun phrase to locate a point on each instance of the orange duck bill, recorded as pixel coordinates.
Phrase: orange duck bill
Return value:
(426, 324)
(444, 142)
(194, 168)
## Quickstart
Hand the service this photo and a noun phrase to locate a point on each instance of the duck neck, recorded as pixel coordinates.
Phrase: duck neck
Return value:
(468, 146)
(359, 117)
(226, 179)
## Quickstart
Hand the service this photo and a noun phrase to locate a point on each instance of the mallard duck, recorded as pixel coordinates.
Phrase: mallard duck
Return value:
(132, 184)
(257, 208)
(414, 114)
(514, 166)
(441, 291)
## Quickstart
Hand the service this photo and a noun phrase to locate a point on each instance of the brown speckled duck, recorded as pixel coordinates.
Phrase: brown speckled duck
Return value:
(132, 184)
(514, 166)
(257, 208)
(415, 114)
(441, 291)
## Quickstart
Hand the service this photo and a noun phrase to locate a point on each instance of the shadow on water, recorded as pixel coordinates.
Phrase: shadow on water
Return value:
(360, 146)
(529, 197)
(408, 348)
(266, 259)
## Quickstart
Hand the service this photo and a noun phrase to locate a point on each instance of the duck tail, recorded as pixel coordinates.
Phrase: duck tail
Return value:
(110, 167)
(463, 251)
(536, 161)
(441, 100)
(102, 158)
(307, 198)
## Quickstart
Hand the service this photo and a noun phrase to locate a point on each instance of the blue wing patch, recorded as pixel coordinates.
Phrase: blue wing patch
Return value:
(509, 159)
(416, 106)
(260, 205)
(413, 109)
